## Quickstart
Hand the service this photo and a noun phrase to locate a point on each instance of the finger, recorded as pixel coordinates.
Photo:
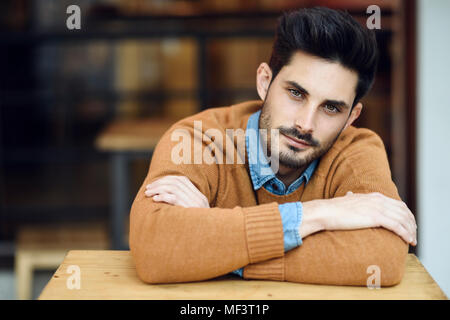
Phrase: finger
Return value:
(187, 186)
(191, 194)
(405, 220)
(411, 219)
(399, 210)
(181, 187)
(196, 198)
(165, 188)
(405, 211)
(397, 228)
(165, 197)
(408, 218)
(169, 186)
(187, 194)
(411, 216)
(200, 197)
(395, 214)
(162, 180)
(158, 182)
(152, 192)
(171, 199)
(388, 216)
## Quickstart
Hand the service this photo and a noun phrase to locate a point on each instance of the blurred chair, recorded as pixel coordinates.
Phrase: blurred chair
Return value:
(125, 140)
(44, 248)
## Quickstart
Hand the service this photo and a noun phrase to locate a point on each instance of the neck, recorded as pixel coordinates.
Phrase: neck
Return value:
(288, 175)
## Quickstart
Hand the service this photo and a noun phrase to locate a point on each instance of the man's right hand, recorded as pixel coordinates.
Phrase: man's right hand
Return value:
(359, 211)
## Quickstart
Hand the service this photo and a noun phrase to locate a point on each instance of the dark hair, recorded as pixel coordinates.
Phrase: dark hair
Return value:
(329, 34)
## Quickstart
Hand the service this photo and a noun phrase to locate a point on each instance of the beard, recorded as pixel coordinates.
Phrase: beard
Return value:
(294, 158)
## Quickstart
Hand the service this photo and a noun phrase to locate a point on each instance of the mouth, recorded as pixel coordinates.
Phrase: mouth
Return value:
(296, 142)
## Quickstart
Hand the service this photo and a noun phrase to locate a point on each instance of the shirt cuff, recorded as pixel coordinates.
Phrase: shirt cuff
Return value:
(239, 272)
(291, 217)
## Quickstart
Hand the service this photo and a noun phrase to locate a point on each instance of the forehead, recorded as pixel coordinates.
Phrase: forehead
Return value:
(321, 78)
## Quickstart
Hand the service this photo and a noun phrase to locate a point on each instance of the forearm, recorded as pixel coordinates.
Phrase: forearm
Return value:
(340, 258)
(176, 244)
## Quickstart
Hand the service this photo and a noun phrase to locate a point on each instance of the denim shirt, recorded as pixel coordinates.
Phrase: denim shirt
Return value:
(262, 175)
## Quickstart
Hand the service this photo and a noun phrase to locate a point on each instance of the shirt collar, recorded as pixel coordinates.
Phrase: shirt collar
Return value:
(259, 166)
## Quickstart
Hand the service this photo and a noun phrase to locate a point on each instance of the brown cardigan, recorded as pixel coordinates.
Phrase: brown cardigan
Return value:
(243, 228)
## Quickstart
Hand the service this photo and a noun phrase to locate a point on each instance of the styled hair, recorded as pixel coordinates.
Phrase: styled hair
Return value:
(329, 34)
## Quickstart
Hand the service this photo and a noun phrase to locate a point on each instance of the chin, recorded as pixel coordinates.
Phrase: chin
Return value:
(293, 162)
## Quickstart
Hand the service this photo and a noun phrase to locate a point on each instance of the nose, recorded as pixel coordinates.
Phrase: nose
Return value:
(305, 118)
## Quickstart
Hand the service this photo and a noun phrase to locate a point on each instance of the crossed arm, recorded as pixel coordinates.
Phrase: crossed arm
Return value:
(176, 237)
(353, 211)
(370, 216)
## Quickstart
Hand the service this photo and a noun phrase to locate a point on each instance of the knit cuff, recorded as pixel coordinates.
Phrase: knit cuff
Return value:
(268, 270)
(264, 232)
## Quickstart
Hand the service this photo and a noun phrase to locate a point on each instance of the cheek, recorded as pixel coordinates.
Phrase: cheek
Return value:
(327, 131)
(274, 113)
(283, 110)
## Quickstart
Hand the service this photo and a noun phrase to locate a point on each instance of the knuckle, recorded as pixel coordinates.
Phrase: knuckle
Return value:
(162, 196)
(381, 207)
(169, 198)
(375, 218)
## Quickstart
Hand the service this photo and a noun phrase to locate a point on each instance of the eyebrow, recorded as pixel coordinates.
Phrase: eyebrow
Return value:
(337, 103)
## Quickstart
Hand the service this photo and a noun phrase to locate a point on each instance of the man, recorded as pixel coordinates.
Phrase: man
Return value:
(323, 209)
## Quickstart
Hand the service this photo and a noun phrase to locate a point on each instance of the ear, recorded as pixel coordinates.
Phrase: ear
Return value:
(263, 78)
(354, 115)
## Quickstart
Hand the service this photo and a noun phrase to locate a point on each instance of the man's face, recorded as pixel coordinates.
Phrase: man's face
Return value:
(310, 100)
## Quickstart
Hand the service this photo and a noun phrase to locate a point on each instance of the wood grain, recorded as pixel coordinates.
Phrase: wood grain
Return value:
(112, 275)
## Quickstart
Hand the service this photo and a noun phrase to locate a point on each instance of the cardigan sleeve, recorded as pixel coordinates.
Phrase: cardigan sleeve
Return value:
(176, 244)
(345, 257)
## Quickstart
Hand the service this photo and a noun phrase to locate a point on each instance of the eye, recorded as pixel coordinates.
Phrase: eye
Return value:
(295, 93)
(331, 109)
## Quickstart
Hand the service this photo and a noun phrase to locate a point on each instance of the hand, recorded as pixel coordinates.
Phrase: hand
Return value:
(176, 190)
(358, 211)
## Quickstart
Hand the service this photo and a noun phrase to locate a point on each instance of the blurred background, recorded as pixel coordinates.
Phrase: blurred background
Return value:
(81, 110)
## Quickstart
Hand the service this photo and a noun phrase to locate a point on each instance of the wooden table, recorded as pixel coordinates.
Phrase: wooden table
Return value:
(112, 275)
(45, 247)
(133, 135)
(124, 140)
